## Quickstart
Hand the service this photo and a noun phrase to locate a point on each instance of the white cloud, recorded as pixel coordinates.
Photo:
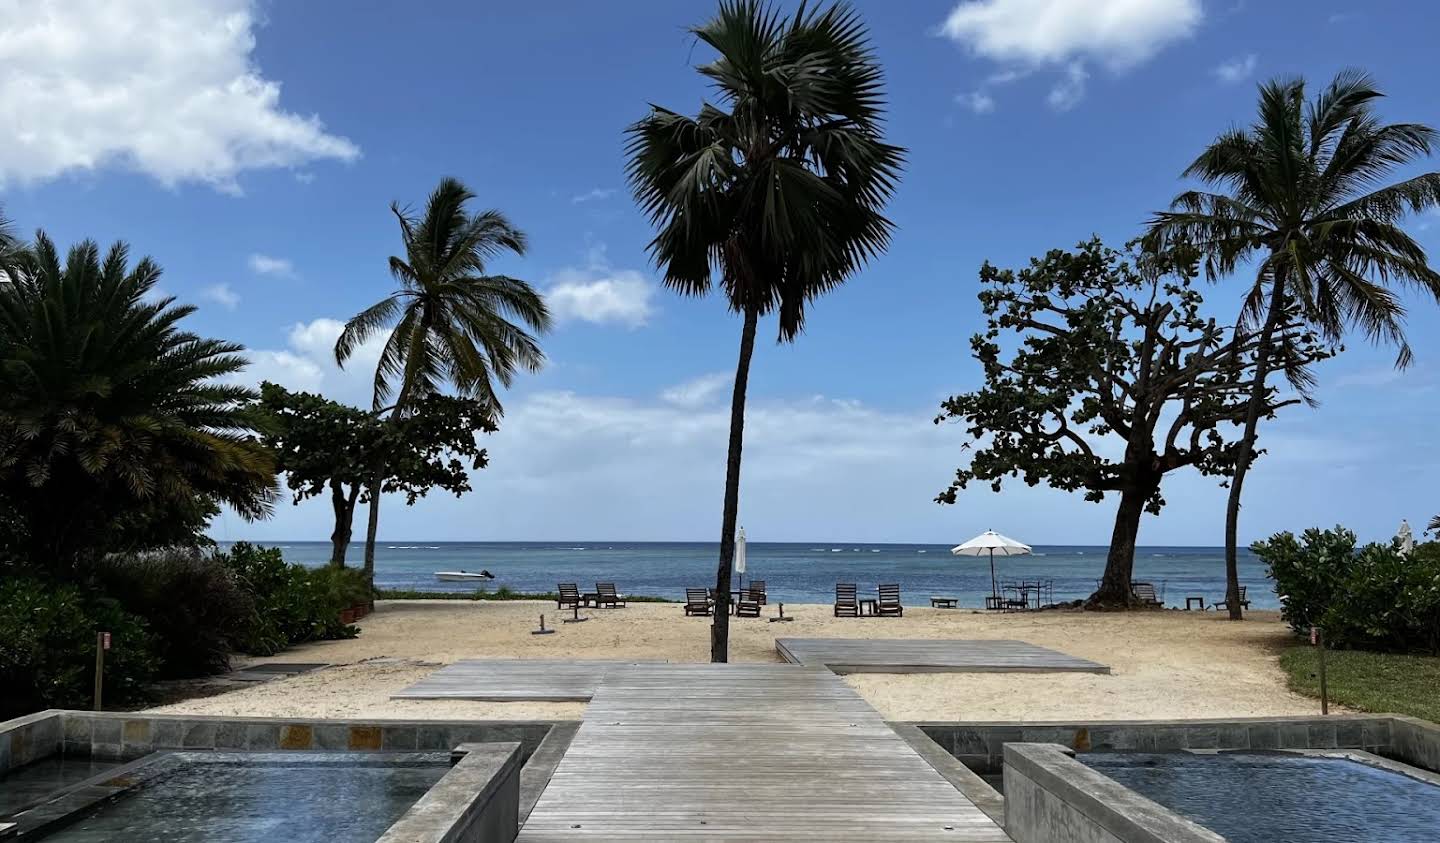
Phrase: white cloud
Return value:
(307, 363)
(1028, 35)
(593, 195)
(1236, 69)
(1068, 92)
(977, 101)
(698, 392)
(266, 265)
(163, 87)
(1380, 376)
(222, 295)
(599, 294)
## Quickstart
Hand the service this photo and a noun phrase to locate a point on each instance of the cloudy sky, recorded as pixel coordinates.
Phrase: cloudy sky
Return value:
(254, 148)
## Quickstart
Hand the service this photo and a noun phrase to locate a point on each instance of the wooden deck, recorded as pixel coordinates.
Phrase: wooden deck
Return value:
(744, 752)
(506, 680)
(920, 655)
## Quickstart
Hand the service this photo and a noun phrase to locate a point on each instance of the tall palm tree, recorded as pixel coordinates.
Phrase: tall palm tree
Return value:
(778, 189)
(449, 321)
(110, 410)
(1301, 199)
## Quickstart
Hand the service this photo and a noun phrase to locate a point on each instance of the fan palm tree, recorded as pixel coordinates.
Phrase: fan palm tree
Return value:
(449, 322)
(108, 407)
(1301, 199)
(775, 192)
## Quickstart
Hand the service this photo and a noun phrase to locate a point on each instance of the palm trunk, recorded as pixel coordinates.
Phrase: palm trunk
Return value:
(344, 505)
(720, 625)
(1114, 591)
(1247, 448)
(372, 526)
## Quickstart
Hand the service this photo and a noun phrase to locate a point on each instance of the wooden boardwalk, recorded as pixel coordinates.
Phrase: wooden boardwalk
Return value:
(920, 655)
(505, 680)
(744, 752)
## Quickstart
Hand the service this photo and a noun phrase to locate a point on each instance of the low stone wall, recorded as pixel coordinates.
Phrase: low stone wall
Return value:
(121, 735)
(1052, 798)
(478, 801)
(981, 746)
(29, 738)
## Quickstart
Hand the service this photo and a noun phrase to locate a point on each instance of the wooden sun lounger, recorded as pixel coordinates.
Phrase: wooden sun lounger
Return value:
(697, 602)
(889, 601)
(605, 595)
(747, 606)
(1244, 602)
(569, 596)
(756, 591)
(1145, 593)
(845, 603)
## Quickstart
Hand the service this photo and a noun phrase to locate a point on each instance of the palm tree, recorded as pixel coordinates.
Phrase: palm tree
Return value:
(777, 189)
(1301, 201)
(108, 408)
(449, 321)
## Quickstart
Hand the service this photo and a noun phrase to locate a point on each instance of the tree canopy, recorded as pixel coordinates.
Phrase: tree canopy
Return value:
(111, 414)
(1095, 344)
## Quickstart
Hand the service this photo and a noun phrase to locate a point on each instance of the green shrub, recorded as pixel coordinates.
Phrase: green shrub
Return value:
(47, 648)
(291, 603)
(1368, 597)
(192, 603)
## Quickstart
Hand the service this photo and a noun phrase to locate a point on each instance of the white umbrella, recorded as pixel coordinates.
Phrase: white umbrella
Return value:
(1406, 537)
(989, 543)
(740, 554)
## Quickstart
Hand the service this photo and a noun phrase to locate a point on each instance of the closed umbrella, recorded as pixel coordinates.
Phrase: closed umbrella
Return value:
(740, 555)
(990, 543)
(1406, 537)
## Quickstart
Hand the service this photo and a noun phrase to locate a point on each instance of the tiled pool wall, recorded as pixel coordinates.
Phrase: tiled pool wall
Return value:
(981, 746)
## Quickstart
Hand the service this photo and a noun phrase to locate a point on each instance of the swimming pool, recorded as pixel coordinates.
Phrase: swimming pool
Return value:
(1253, 797)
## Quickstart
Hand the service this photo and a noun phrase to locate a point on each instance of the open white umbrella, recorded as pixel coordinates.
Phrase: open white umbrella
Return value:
(740, 554)
(990, 543)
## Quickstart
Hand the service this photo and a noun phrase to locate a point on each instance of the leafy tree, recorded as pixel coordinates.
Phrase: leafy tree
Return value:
(321, 445)
(777, 189)
(1300, 203)
(1103, 345)
(108, 407)
(9, 246)
(449, 321)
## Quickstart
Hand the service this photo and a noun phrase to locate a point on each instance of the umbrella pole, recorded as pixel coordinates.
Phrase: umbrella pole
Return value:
(994, 589)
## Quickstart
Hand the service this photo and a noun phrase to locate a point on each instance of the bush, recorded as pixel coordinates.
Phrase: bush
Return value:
(1368, 597)
(47, 648)
(291, 603)
(192, 602)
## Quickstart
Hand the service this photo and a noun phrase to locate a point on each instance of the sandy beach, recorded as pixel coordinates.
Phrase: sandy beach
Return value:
(1164, 664)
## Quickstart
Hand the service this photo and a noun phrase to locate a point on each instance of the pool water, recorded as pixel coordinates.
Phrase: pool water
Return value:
(1263, 798)
(265, 798)
(28, 785)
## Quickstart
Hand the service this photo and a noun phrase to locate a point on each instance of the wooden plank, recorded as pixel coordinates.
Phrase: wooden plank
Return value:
(504, 680)
(937, 655)
(744, 752)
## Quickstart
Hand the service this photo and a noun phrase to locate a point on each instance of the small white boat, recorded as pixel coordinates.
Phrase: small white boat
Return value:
(463, 576)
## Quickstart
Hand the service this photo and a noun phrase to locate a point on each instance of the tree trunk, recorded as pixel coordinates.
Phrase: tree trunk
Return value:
(372, 526)
(1247, 447)
(1114, 591)
(720, 624)
(344, 506)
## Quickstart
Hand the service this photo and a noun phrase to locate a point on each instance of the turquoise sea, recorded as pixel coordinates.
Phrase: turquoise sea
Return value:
(798, 572)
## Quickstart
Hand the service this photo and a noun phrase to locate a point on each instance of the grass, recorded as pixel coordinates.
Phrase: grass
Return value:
(502, 593)
(1378, 682)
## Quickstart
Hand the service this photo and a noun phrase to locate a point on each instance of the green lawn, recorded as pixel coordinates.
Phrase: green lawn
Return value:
(1380, 682)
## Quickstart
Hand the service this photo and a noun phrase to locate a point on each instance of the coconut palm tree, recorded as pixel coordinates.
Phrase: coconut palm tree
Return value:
(449, 321)
(775, 191)
(109, 408)
(1301, 199)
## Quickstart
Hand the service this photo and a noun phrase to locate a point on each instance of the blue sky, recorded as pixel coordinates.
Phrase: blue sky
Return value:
(253, 149)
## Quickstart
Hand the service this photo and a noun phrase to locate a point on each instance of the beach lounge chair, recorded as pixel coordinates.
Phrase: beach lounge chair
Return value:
(1145, 593)
(756, 591)
(697, 602)
(747, 606)
(845, 603)
(889, 601)
(569, 596)
(1244, 603)
(605, 595)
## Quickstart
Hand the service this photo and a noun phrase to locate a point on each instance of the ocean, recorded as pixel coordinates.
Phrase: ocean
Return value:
(799, 572)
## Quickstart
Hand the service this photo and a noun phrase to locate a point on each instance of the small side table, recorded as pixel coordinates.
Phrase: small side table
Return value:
(871, 603)
(1195, 601)
(943, 602)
